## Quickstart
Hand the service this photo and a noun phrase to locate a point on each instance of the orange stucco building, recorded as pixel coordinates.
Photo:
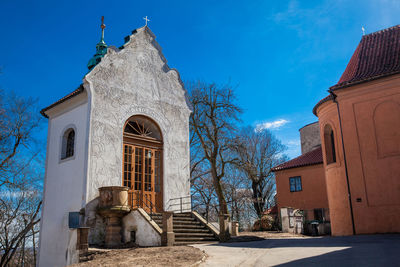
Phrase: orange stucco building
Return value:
(359, 125)
(300, 184)
(360, 133)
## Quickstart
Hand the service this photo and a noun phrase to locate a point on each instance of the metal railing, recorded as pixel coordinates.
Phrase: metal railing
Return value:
(180, 203)
(135, 200)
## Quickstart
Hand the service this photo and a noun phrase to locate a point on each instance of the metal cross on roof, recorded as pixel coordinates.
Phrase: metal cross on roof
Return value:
(146, 19)
(102, 22)
(102, 26)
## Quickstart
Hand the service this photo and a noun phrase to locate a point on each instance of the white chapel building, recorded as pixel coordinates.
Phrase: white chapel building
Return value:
(126, 125)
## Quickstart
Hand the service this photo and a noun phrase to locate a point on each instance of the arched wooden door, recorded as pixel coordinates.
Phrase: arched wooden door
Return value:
(142, 163)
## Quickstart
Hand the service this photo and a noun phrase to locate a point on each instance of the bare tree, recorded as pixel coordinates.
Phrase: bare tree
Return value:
(18, 121)
(234, 184)
(18, 223)
(203, 197)
(212, 123)
(21, 170)
(202, 189)
(257, 153)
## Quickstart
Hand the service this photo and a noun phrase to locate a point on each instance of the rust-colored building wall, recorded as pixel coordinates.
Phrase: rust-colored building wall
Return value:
(370, 117)
(336, 185)
(313, 194)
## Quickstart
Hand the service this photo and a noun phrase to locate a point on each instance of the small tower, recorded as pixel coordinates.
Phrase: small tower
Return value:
(101, 48)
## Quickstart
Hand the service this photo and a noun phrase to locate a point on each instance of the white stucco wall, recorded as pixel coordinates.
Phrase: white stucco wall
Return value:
(133, 81)
(137, 81)
(145, 234)
(64, 185)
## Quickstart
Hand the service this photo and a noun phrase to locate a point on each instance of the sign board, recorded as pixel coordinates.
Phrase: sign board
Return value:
(73, 220)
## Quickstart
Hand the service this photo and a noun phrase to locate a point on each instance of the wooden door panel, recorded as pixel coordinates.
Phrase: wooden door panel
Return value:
(142, 174)
(127, 165)
(138, 169)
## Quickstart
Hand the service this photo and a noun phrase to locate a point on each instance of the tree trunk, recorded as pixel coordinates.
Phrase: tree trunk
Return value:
(258, 206)
(34, 246)
(223, 207)
(237, 211)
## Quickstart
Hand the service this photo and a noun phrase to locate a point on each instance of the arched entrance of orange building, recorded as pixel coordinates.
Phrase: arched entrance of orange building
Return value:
(142, 163)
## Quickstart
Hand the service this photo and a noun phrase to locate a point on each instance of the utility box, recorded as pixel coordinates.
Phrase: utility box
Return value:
(73, 220)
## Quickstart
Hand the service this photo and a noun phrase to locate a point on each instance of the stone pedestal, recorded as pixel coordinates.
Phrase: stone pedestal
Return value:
(168, 235)
(234, 228)
(224, 227)
(113, 206)
(82, 243)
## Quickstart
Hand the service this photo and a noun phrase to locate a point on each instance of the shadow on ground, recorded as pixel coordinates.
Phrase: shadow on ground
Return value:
(360, 250)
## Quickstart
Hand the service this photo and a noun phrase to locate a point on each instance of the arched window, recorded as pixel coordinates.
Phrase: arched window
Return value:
(142, 127)
(329, 141)
(68, 144)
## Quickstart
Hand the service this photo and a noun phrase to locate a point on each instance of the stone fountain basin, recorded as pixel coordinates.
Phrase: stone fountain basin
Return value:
(113, 196)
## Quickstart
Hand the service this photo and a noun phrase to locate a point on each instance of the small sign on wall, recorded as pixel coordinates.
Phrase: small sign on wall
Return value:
(73, 220)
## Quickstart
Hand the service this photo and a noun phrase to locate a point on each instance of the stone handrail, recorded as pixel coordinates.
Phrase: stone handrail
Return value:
(212, 228)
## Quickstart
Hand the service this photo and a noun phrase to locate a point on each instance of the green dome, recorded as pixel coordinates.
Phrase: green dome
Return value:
(101, 49)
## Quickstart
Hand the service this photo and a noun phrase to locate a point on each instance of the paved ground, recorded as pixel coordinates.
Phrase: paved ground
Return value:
(365, 250)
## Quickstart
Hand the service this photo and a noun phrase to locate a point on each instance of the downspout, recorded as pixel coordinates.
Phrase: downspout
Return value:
(334, 96)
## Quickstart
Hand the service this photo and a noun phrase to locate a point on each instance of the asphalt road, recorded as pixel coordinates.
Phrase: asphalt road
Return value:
(362, 250)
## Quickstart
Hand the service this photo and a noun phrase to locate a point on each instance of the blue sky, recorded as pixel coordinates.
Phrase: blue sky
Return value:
(281, 55)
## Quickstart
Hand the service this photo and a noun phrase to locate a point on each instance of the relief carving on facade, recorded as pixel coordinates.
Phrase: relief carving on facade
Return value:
(136, 81)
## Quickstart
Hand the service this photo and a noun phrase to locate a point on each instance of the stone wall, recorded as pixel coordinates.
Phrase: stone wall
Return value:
(310, 137)
(145, 231)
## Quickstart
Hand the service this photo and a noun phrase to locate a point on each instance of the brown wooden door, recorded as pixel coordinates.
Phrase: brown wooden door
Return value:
(142, 174)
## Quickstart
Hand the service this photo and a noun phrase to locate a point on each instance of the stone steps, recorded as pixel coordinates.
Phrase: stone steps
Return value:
(189, 226)
(187, 229)
(193, 235)
(186, 222)
(193, 239)
(193, 221)
(185, 243)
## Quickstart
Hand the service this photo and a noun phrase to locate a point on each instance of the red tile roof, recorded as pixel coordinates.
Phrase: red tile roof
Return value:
(310, 158)
(273, 210)
(65, 98)
(323, 100)
(377, 55)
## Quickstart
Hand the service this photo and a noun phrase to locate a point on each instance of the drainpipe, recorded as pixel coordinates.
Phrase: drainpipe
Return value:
(334, 96)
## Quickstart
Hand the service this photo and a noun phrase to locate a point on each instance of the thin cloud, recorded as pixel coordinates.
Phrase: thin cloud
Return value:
(293, 148)
(270, 125)
(294, 142)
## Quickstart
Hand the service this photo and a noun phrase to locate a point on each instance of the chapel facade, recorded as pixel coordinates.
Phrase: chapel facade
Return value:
(127, 125)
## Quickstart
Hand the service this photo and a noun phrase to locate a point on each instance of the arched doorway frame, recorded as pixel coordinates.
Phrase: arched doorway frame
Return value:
(150, 195)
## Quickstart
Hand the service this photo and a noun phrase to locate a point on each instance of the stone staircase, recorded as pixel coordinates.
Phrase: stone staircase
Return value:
(187, 229)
